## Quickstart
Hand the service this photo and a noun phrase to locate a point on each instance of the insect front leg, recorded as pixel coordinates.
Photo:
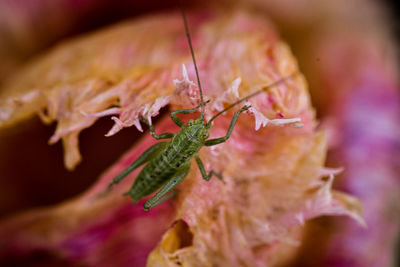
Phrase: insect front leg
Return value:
(171, 184)
(216, 141)
(152, 132)
(203, 172)
(183, 111)
(147, 155)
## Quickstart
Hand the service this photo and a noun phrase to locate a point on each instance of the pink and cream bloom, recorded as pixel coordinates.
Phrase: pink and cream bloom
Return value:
(276, 175)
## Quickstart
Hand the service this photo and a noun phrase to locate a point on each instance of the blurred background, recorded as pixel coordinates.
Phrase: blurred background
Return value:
(348, 51)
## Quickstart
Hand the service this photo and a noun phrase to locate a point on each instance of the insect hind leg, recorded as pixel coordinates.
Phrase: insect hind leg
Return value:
(147, 155)
(161, 195)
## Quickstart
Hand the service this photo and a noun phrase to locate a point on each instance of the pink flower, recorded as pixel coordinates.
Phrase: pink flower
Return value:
(275, 177)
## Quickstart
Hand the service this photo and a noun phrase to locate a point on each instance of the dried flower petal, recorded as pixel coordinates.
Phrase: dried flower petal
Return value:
(270, 175)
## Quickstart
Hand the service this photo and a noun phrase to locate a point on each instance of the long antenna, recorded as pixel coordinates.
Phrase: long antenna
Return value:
(253, 94)
(193, 57)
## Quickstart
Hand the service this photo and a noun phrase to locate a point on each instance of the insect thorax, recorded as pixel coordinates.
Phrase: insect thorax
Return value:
(189, 140)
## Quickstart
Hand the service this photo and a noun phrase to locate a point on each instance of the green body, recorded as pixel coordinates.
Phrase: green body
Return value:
(169, 162)
(175, 157)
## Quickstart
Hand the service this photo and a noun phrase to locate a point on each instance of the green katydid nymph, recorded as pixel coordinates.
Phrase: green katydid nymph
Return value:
(168, 163)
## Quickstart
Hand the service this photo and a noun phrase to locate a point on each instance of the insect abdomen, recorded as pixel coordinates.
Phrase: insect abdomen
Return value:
(164, 166)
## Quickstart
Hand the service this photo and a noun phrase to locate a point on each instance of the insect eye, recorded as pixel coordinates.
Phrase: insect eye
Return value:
(205, 135)
(190, 123)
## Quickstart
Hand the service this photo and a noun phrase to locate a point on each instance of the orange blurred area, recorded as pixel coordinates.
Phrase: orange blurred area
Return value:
(348, 53)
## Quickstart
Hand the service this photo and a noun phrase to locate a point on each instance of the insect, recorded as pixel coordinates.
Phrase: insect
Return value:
(168, 162)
